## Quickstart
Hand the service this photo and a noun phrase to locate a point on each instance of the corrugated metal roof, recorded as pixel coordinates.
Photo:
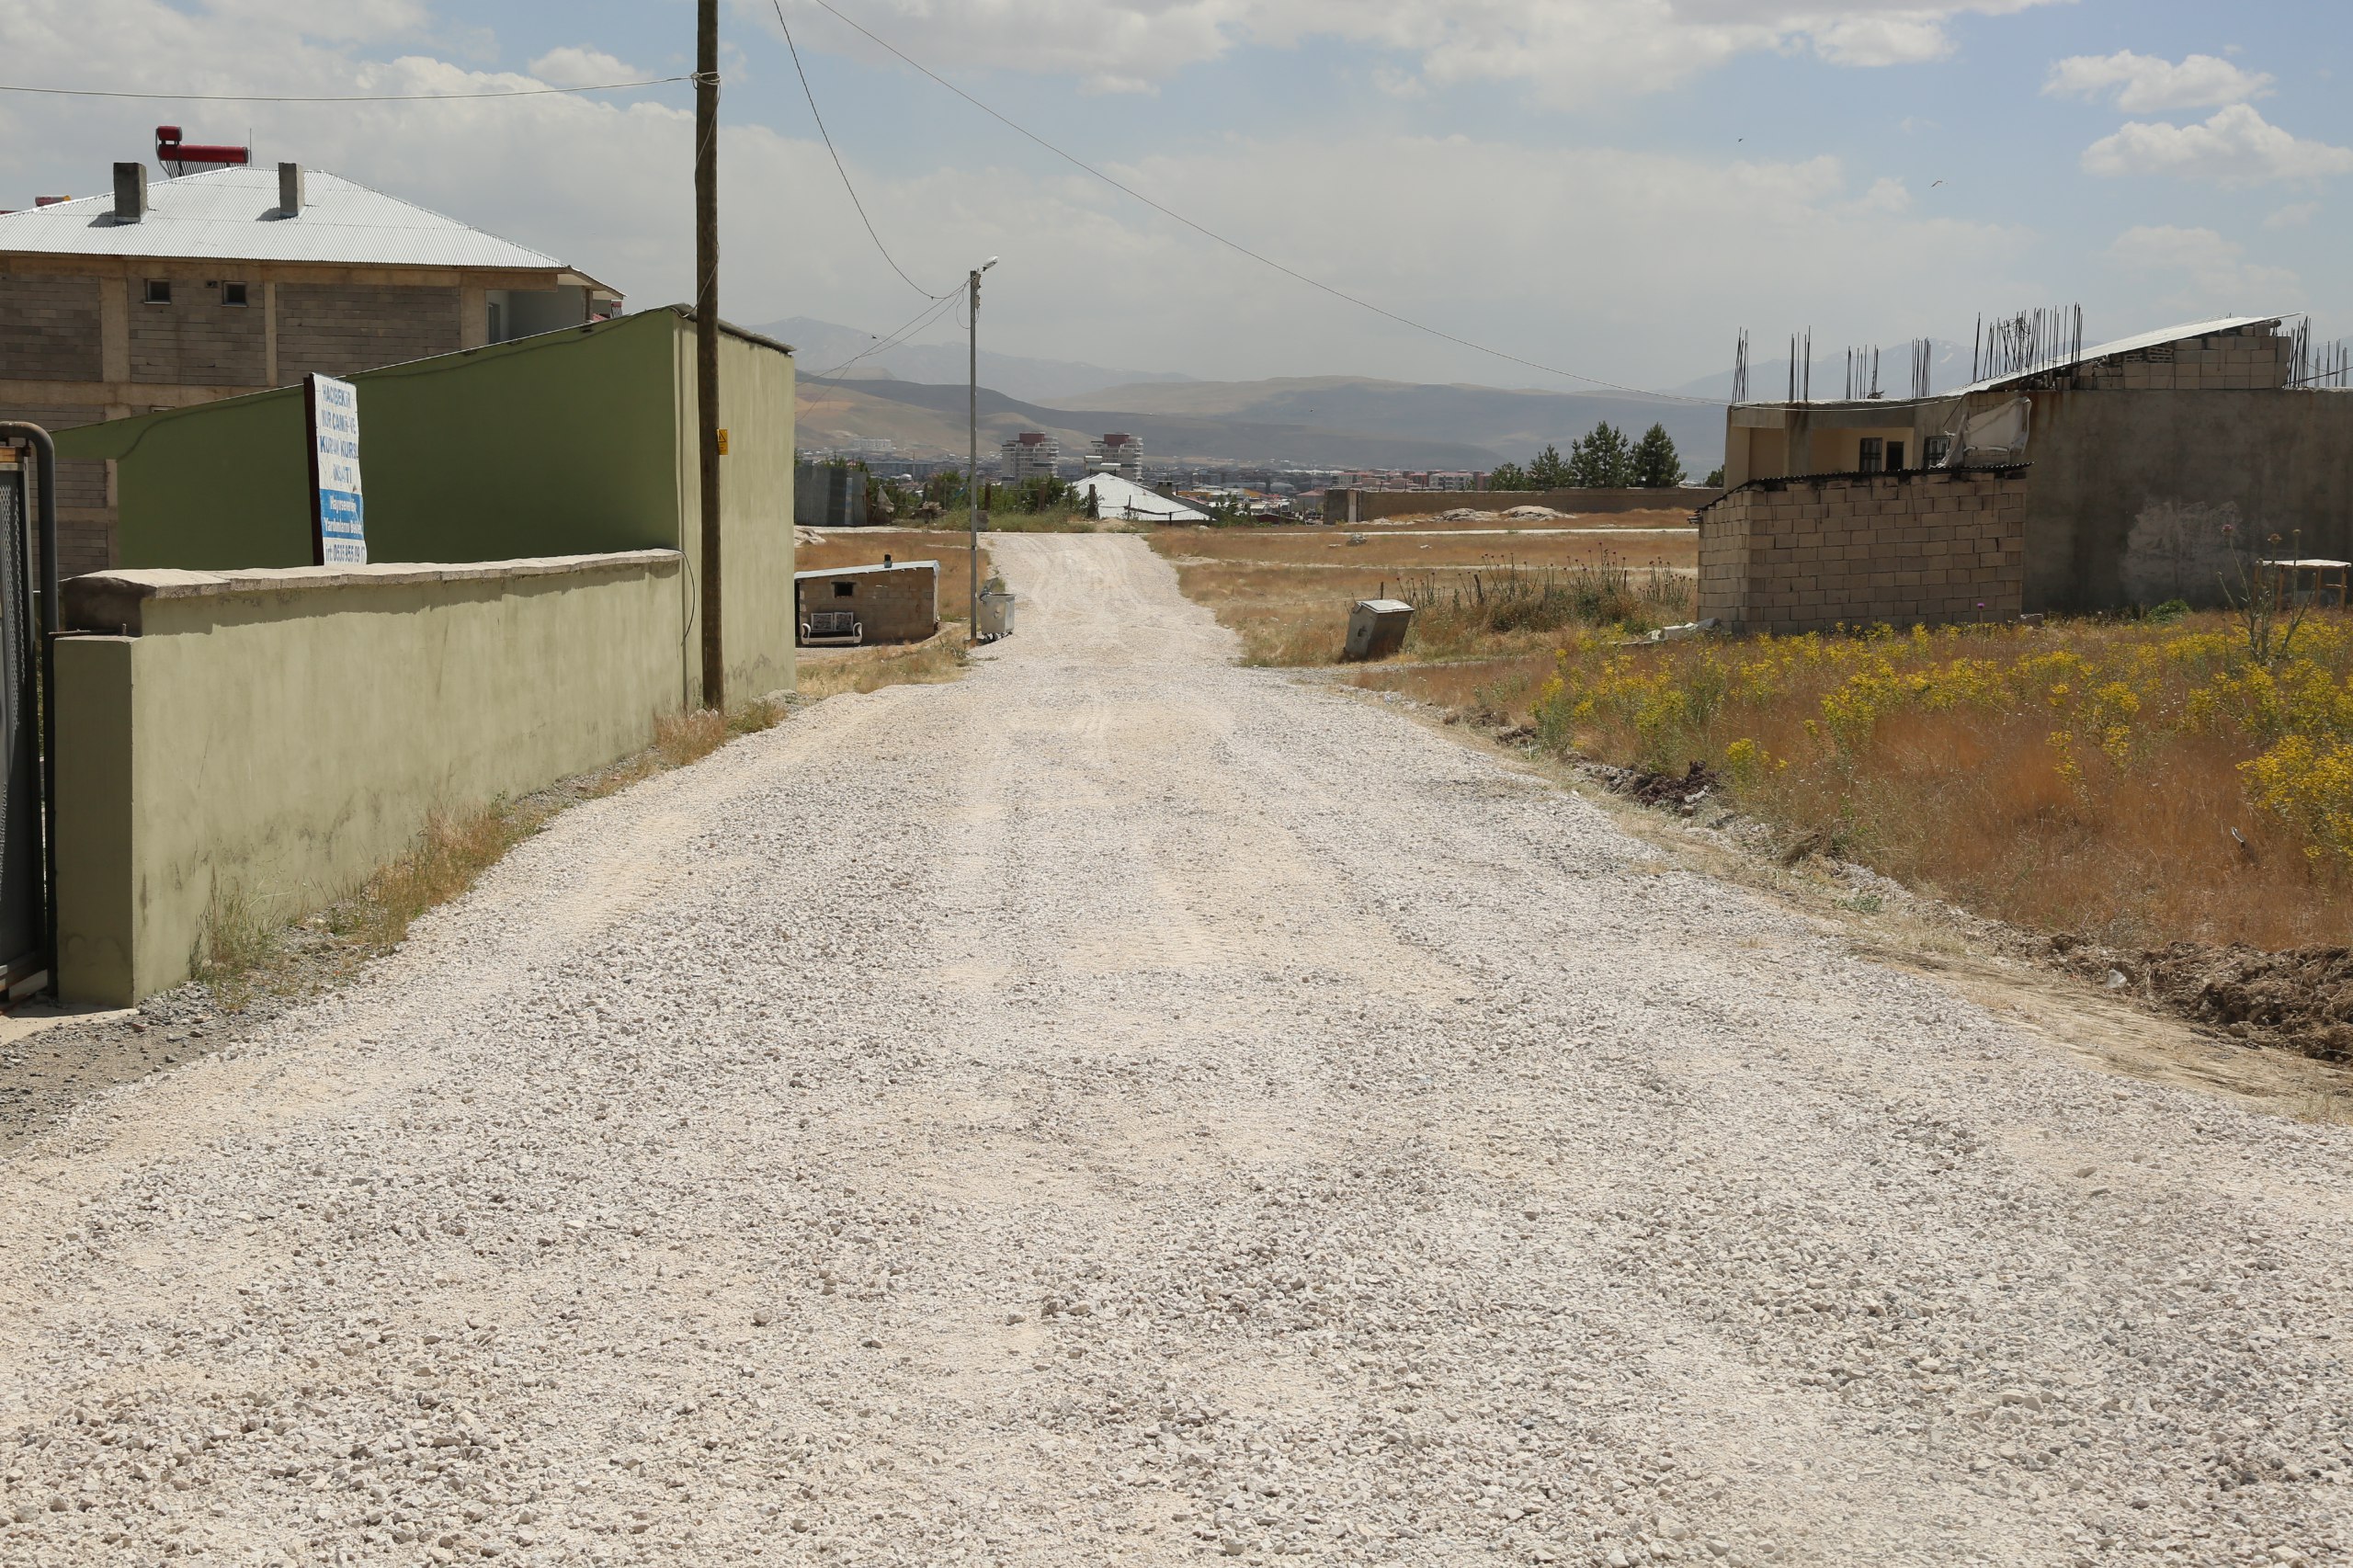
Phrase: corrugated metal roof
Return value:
(232, 215)
(865, 571)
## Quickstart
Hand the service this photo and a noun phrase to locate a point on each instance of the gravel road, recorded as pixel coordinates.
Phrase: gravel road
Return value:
(1123, 1108)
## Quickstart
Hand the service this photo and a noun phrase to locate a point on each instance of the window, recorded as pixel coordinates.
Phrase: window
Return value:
(233, 293)
(1895, 457)
(159, 290)
(1875, 455)
(1937, 450)
(843, 590)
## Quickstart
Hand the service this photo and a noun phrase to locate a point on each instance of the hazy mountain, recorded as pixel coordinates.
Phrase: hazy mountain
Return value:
(822, 345)
(1499, 423)
(925, 418)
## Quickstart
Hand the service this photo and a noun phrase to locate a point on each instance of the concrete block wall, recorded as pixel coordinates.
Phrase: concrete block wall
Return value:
(334, 330)
(2251, 359)
(895, 604)
(195, 340)
(50, 329)
(1907, 549)
(85, 535)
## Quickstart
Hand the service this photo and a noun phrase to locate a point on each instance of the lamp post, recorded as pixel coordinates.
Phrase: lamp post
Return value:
(972, 415)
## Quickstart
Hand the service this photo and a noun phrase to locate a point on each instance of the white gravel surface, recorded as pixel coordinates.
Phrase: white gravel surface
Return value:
(1124, 1106)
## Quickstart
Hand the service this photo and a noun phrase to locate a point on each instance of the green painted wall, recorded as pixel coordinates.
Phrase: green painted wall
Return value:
(563, 444)
(260, 735)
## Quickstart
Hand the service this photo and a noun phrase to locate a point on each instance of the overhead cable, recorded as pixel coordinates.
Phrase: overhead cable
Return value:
(922, 319)
(340, 98)
(838, 169)
(1208, 232)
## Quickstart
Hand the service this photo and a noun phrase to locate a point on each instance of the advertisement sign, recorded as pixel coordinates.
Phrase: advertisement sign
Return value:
(339, 515)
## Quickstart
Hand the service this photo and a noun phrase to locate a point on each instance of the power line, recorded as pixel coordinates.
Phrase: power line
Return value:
(1206, 231)
(339, 97)
(838, 169)
(923, 318)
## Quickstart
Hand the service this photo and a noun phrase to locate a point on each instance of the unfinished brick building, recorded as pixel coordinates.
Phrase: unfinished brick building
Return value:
(1929, 547)
(2148, 456)
(215, 284)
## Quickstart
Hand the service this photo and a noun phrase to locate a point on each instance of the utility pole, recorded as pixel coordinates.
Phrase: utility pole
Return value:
(714, 658)
(973, 416)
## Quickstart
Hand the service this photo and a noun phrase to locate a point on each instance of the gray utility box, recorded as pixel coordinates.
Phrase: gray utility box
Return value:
(1377, 627)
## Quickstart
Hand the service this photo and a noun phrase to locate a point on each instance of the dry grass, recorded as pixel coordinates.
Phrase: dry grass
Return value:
(1287, 591)
(2134, 783)
(868, 669)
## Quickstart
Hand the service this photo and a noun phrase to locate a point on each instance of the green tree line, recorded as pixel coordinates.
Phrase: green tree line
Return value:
(1606, 459)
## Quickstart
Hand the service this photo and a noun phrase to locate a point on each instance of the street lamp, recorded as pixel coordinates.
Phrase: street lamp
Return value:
(972, 413)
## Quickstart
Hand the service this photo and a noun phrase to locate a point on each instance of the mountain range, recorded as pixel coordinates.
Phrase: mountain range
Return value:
(914, 396)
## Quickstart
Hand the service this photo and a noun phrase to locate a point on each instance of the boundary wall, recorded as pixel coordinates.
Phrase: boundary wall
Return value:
(1378, 505)
(279, 734)
(1926, 547)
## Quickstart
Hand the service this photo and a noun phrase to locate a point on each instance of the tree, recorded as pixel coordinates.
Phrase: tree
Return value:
(1656, 464)
(1603, 460)
(1509, 476)
(1716, 477)
(1549, 471)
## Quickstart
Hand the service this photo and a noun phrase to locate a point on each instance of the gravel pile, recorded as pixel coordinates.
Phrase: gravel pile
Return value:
(1127, 1109)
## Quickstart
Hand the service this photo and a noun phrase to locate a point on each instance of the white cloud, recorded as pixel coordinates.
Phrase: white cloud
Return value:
(2296, 215)
(577, 67)
(2214, 273)
(2237, 147)
(1887, 195)
(1569, 51)
(2143, 84)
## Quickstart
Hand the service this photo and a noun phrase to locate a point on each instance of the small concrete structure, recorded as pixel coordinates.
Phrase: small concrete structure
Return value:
(894, 602)
(1924, 548)
(1377, 627)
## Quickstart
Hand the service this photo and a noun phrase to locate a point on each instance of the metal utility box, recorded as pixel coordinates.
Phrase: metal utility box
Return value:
(1377, 627)
(996, 615)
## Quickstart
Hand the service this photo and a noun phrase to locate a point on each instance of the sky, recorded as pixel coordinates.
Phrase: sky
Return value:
(1613, 188)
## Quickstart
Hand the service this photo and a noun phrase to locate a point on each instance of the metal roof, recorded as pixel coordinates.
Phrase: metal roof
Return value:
(2123, 345)
(1993, 383)
(232, 214)
(862, 571)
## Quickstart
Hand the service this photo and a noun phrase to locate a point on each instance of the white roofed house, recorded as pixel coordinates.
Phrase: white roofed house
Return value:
(1123, 500)
(167, 292)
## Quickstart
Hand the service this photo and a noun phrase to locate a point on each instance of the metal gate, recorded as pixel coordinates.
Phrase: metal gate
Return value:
(24, 903)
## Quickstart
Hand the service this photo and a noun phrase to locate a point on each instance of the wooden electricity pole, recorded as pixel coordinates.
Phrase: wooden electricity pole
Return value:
(714, 661)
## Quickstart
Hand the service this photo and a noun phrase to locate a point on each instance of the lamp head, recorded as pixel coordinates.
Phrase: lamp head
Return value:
(986, 265)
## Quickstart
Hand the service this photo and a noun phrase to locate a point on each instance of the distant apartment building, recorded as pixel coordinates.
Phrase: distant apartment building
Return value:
(228, 282)
(1030, 455)
(1117, 452)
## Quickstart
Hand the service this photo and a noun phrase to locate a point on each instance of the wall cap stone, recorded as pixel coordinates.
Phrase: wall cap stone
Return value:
(114, 601)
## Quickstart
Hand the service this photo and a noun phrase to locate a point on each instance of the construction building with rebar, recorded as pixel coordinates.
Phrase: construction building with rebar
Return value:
(2134, 473)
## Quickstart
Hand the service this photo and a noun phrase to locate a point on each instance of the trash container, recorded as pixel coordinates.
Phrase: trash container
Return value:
(1377, 627)
(996, 612)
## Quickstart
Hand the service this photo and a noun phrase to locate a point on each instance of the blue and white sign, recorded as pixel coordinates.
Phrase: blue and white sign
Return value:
(339, 514)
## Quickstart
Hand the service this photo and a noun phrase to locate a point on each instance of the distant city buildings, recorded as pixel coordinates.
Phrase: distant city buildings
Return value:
(1030, 455)
(1117, 452)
